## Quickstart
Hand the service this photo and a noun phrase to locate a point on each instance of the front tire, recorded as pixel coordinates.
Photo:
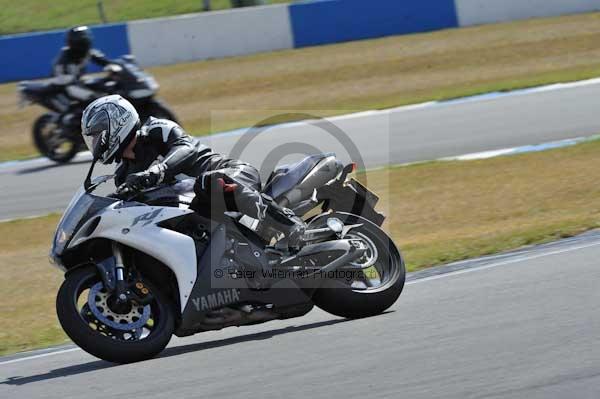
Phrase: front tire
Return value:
(51, 143)
(99, 341)
(348, 300)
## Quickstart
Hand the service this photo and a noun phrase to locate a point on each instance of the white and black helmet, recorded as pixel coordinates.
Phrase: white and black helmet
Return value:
(108, 125)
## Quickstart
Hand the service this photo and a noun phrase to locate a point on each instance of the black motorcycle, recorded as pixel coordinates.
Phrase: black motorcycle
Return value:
(141, 268)
(57, 134)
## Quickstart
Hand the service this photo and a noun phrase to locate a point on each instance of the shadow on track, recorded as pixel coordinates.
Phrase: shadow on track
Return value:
(57, 373)
(169, 352)
(42, 168)
(180, 350)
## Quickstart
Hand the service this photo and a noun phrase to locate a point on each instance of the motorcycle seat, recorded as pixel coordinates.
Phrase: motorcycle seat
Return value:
(97, 83)
(286, 177)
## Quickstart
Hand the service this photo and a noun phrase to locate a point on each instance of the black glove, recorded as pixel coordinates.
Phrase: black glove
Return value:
(142, 180)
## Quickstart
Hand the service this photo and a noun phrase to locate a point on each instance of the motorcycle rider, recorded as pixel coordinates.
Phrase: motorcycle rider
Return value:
(72, 60)
(160, 149)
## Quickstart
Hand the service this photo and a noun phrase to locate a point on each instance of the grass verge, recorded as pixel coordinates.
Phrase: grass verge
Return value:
(34, 15)
(28, 286)
(370, 74)
(437, 212)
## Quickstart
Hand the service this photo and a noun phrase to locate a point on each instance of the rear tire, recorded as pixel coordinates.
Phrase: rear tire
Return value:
(42, 140)
(340, 299)
(99, 345)
(158, 110)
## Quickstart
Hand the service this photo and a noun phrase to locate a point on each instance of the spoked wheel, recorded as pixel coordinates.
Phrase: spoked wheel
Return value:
(373, 271)
(52, 141)
(102, 326)
(376, 279)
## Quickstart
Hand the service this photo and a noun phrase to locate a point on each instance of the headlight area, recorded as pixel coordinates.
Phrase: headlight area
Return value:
(72, 220)
(63, 259)
(61, 238)
(86, 252)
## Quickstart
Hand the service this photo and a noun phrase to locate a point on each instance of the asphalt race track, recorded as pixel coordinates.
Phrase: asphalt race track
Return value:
(403, 135)
(518, 325)
(523, 325)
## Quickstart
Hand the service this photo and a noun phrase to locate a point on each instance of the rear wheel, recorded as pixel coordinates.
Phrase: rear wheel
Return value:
(158, 110)
(377, 278)
(53, 141)
(119, 333)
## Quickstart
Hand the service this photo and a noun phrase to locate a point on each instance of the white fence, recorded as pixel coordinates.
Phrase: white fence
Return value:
(210, 35)
(475, 12)
(251, 30)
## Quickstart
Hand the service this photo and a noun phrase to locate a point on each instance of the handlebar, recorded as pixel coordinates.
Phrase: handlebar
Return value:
(128, 193)
(113, 68)
(175, 190)
(125, 194)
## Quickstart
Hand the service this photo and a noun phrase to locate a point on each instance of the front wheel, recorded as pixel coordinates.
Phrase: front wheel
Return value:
(115, 332)
(370, 284)
(53, 140)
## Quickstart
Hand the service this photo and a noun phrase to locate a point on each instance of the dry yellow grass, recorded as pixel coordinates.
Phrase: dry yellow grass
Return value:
(446, 211)
(360, 75)
(28, 285)
(437, 212)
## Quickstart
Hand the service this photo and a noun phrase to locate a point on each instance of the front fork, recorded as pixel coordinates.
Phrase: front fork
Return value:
(120, 288)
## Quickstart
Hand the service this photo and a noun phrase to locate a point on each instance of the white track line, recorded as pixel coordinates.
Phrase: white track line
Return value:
(22, 359)
(517, 259)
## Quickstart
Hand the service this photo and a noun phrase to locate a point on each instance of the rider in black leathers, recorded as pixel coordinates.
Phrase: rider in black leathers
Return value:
(160, 149)
(70, 64)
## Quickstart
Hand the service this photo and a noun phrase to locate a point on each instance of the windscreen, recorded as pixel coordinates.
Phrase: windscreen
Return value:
(82, 207)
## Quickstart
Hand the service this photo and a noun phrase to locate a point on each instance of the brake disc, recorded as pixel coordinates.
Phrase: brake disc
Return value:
(136, 318)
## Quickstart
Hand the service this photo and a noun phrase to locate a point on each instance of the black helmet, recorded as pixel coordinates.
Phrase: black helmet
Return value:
(79, 39)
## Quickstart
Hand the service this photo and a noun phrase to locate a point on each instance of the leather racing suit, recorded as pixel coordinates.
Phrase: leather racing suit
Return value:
(222, 183)
(70, 65)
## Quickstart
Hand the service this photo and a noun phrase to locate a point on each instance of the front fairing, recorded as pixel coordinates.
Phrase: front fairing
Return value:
(82, 207)
(85, 206)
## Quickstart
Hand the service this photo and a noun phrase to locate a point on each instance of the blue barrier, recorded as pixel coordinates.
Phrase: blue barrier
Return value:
(308, 23)
(30, 56)
(332, 21)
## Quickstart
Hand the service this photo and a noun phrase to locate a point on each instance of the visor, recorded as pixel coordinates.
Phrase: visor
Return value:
(95, 133)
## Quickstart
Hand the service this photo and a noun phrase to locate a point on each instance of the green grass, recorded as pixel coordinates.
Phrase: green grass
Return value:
(438, 212)
(35, 15)
(216, 95)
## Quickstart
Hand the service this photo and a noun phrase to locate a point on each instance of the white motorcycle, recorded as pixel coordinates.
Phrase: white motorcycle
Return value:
(142, 268)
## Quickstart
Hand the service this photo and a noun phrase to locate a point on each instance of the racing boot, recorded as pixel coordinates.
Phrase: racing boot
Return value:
(272, 220)
(283, 220)
(259, 211)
